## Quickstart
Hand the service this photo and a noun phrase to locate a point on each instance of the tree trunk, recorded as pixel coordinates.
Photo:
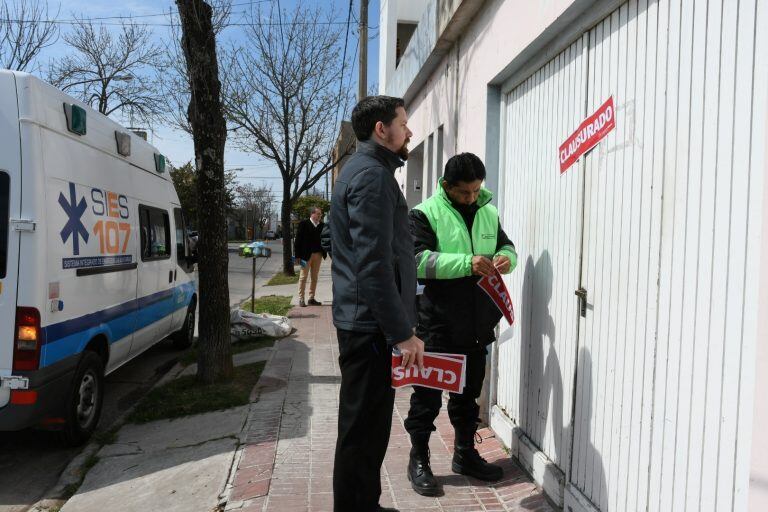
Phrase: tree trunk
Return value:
(209, 133)
(285, 216)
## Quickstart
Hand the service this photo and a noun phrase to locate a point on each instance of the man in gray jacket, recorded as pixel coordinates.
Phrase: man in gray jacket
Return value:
(374, 288)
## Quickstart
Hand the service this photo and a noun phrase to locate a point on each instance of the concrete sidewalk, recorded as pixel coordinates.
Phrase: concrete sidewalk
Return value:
(286, 463)
(276, 454)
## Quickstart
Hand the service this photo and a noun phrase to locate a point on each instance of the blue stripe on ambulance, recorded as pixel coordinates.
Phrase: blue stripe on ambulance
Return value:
(68, 338)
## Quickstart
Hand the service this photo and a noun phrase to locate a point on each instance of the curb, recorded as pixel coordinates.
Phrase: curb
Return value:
(72, 474)
(226, 493)
(250, 476)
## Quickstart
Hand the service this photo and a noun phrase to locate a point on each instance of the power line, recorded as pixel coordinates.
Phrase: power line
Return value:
(264, 165)
(343, 63)
(132, 16)
(254, 24)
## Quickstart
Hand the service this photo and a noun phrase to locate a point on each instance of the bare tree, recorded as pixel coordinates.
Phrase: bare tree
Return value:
(256, 204)
(24, 33)
(112, 72)
(209, 133)
(175, 84)
(283, 96)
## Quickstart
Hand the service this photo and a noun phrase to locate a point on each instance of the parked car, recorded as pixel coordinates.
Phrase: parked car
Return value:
(270, 235)
(95, 268)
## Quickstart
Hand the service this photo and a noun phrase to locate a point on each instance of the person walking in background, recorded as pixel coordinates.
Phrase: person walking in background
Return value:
(374, 293)
(309, 254)
(458, 239)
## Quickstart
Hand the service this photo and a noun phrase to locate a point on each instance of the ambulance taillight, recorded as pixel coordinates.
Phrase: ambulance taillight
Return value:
(26, 347)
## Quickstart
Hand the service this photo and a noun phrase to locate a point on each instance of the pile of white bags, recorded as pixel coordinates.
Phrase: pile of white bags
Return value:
(245, 325)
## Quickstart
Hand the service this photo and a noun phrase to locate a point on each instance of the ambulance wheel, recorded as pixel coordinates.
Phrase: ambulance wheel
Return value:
(85, 400)
(184, 337)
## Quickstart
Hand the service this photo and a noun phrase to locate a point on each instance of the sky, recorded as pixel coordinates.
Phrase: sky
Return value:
(177, 145)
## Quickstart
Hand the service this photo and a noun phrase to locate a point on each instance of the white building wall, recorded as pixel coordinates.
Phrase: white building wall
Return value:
(672, 363)
(387, 40)
(758, 478)
(390, 13)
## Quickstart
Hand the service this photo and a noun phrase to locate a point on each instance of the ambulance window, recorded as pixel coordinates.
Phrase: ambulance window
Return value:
(155, 233)
(5, 185)
(181, 236)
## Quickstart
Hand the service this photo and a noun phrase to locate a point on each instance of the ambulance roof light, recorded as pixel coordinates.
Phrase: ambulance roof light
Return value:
(76, 118)
(123, 143)
(159, 163)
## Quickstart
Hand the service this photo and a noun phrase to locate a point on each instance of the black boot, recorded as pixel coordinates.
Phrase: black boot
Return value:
(466, 460)
(419, 473)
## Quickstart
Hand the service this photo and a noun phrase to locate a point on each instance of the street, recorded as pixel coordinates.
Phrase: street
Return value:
(32, 461)
(241, 268)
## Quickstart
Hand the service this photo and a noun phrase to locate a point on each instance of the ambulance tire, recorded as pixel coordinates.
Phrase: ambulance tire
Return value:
(184, 337)
(83, 408)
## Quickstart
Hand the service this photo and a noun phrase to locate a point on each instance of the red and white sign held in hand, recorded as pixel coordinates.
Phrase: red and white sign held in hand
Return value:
(440, 371)
(496, 289)
(588, 134)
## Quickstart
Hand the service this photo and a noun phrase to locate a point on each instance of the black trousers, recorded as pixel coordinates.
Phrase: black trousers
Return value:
(462, 408)
(365, 420)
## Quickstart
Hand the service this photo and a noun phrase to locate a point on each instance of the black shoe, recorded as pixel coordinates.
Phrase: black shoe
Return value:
(420, 475)
(468, 462)
(313, 302)
(302, 303)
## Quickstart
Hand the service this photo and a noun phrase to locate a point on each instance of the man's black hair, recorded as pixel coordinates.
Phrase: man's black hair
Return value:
(372, 109)
(465, 167)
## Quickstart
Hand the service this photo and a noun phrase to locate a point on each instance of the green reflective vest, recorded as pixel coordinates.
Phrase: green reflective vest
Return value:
(455, 246)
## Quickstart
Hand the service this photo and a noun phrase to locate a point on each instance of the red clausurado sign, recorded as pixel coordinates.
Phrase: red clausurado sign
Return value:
(496, 289)
(588, 134)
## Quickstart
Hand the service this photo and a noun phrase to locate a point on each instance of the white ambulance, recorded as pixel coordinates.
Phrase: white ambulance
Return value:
(95, 266)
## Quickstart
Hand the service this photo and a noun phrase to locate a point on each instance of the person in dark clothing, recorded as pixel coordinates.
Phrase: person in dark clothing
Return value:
(458, 239)
(374, 292)
(309, 254)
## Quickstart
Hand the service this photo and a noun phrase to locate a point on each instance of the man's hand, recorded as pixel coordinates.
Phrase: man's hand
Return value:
(502, 263)
(412, 351)
(482, 266)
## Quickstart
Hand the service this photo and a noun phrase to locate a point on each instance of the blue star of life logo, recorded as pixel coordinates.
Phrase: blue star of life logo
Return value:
(74, 226)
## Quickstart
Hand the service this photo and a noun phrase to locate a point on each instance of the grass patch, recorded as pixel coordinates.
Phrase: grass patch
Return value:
(272, 304)
(106, 437)
(190, 356)
(186, 396)
(281, 278)
(71, 489)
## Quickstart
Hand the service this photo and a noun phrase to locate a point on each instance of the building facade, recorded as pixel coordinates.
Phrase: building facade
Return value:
(642, 392)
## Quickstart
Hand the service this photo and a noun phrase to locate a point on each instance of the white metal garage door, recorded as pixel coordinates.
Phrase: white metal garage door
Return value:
(541, 211)
(663, 358)
(612, 414)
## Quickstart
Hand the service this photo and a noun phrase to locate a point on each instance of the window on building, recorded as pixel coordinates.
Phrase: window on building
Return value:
(431, 174)
(404, 33)
(439, 151)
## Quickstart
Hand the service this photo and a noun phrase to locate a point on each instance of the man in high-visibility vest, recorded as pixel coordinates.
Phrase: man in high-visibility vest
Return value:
(458, 239)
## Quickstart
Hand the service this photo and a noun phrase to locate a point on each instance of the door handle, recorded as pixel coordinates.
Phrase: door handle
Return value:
(581, 293)
(170, 276)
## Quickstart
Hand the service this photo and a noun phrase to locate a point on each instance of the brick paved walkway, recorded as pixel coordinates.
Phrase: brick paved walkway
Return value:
(293, 471)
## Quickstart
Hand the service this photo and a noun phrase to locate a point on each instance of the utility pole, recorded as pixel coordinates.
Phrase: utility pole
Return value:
(362, 81)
